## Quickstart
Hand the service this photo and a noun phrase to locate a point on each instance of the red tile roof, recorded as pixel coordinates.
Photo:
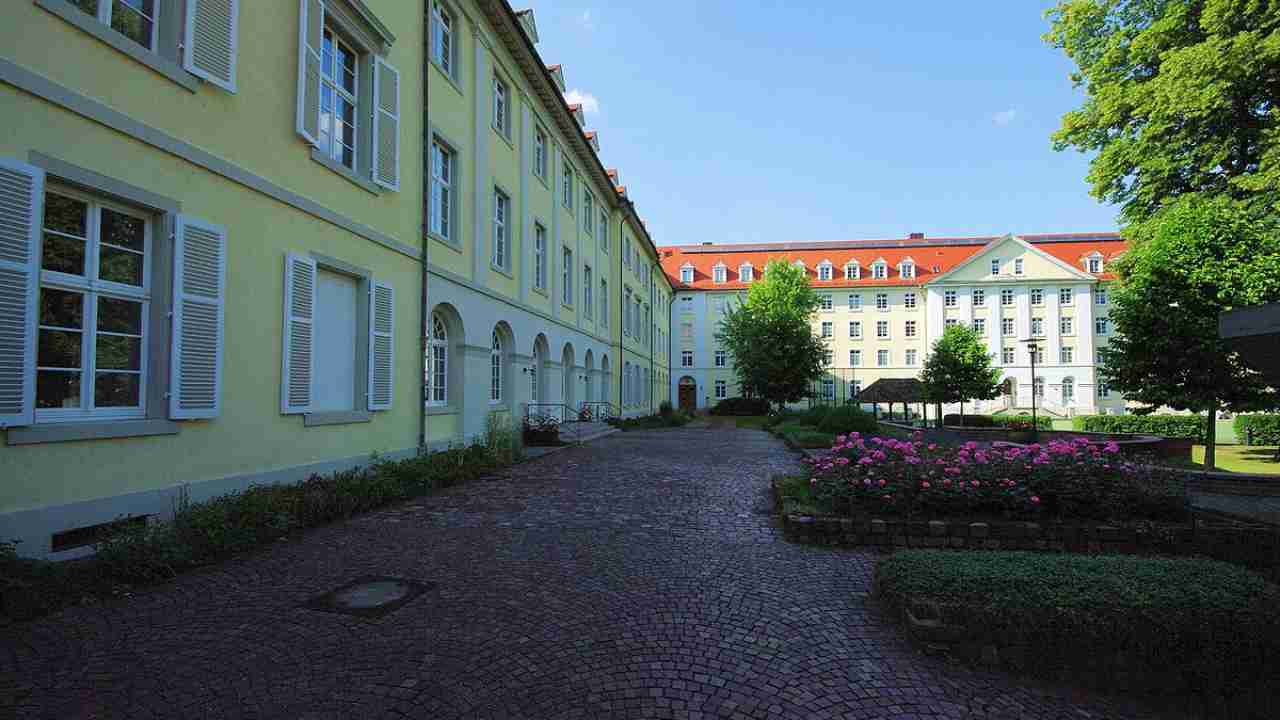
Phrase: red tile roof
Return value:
(932, 257)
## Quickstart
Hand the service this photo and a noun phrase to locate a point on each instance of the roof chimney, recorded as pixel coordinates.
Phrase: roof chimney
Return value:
(916, 236)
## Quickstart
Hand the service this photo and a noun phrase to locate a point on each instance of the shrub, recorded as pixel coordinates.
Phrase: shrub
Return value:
(1080, 611)
(665, 409)
(1062, 480)
(741, 406)
(1257, 429)
(677, 418)
(815, 415)
(1170, 426)
(973, 421)
(1043, 422)
(847, 419)
(808, 438)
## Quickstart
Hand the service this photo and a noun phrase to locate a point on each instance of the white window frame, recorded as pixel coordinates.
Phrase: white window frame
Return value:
(1102, 326)
(588, 287)
(106, 8)
(882, 302)
(539, 256)
(827, 328)
(604, 229)
(855, 302)
(950, 322)
(500, 255)
(438, 363)
(442, 26)
(911, 357)
(1101, 296)
(495, 369)
(686, 358)
(442, 162)
(828, 389)
(720, 274)
(1068, 390)
(566, 183)
(979, 297)
(1007, 328)
(907, 270)
(879, 271)
(1007, 356)
(329, 79)
(855, 329)
(1066, 296)
(540, 144)
(883, 358)
(826, 302)
(995, 266)
(567, 271)
(721, 390)
(1066, 355)
(1094, 264)
(1007, 297)
(882, 330)
(1037, 327)
(909, 300)
(909, 329)
(828, 357)
(721, 358)
(746, 272)
(501, 111)
(950, 298)
(588, 211)
(824, 270)
(686, 274)
(604, 302)
(852, 271)
(1066, 326)
(980, 326)
(1017, 266)
(855, 358)
(1037, 296)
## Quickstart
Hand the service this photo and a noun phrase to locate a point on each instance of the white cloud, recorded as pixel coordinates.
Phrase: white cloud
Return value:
(586, 21)
(1005, 117)
(588, 101)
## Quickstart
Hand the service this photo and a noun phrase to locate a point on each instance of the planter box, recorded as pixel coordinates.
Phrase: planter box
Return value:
(541, 438)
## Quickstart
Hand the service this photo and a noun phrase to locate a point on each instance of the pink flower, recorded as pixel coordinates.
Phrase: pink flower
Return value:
(952, 471)
(882, 482)
(1035, 499)
(886, 497)
(947, 482)
(840, 439)
(1111, 447)
(866, 461)
(933, 446)
(974, 483)
(842, 461)
(925, 485)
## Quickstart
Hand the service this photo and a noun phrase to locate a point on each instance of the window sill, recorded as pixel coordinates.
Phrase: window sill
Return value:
(160, 65)
(337, 417)
(505, 138)
(102, 430)
(541, 291)
(345, 172)
(501, 271)
(451, 244)
(449, 77)
(434, 410)
(545, 182)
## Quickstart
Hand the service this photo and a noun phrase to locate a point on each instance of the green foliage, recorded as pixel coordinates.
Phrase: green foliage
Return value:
(502, 439)
(959, 368)
(1042, 422)
(848, 419)
(814, 415)
(665, 408)
(676, 418)
(1170, 426)
(808, 438)
(741, 406)
(776, 356)
(1180, 98)
(1218, 620)
(1258, 429)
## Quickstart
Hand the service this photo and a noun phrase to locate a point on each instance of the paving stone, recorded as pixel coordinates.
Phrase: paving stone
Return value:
(637, 576)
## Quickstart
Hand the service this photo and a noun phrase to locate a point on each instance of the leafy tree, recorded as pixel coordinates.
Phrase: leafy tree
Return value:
(1191, 261)
(959, 369)
(776, 356)
(1183, 97)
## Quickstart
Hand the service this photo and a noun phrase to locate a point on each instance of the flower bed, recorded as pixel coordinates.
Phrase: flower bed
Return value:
(1058, 481)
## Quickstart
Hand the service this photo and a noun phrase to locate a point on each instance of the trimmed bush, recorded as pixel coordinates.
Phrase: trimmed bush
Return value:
(741, 406)
(1169, 426)
(1078, 612)
(808, 438)
(815, 415)
(847, 419)
(1043, 422)
(1257, 429)
(676, 418)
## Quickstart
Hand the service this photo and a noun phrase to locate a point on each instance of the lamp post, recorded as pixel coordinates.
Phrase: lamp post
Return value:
(1033, 347)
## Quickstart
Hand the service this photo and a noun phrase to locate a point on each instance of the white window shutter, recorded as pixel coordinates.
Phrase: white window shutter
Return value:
(386, 125)
(382, 325)
(21, 215)
(199, 296)
(298, 365)
(210, 41)
(310, 38)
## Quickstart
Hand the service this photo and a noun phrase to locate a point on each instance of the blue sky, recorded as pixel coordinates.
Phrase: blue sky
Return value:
(827, 120)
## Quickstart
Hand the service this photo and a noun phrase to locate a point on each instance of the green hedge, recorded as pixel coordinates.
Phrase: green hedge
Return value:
(1043, 422)
(844, 419)
(1078, 611)
(1170, 426)
(741, 406)
(1264, 429)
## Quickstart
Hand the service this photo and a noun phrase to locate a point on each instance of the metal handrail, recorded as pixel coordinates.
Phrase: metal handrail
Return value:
(558, 411)
(597, 411)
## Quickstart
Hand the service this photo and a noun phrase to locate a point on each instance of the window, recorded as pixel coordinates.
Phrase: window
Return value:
(907, 270)
(826, 329)
(1064, 296)
(995, 266)
(855, 302)
(501, 107)
(980, 326)
(566, 279)
(1037, 296)
(540, 152)
(722, 390)
(1104, 390)
(718, 304)
(495, 370)
(339, 78)
(1006, 297)
(979, 298)
(882, 301)
(442, 45)
(1037, 387)
(626, 252)
(1017, 266)
(746, 272)
(909, 300)
(882, 358)
(1068, 389)
(438, 363)
(441, 200)
(94, 307)
(719, 274)
(879, 271)
(949, 298)
(588, 286)
(1036, 353)
(588, 212)
(852, 271)
(828, 389)
(882, 329)
(1095, 264)
(539, 257)
(855, 358)
(1037, 327)
(855, 389)
(626, 313)
(1102, 326)
(910, 328)
(855, 329)
(500, 211)
(1066, 355)
(1006, 356)
(721, 358)
(566, 184)
(686, 274)
(604, 230)
(135, 19)
(824, 271)
(686, 328)
(1066, 326)
(824, 302)
(828, 358)
(911, 358)
(604, 302)
(686, 358)
(1006, 327)
(1101, 296)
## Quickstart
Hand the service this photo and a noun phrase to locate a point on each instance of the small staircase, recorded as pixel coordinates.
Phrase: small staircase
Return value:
(580, 432)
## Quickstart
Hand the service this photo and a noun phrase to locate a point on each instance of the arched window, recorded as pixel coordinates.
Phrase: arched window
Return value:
(438, 363)
(495, 369)
(537, 369)
(1068, 389)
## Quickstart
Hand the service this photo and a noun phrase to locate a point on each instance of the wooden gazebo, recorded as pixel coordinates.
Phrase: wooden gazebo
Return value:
(891, 391)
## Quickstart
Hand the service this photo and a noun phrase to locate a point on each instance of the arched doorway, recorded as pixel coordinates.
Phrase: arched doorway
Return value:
(538, 380)
(566, 360)
(589, 365)
(688, 396)
(606, 380)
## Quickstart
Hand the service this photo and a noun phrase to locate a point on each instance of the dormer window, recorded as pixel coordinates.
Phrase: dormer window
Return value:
(995, 266)
(719, 273)
(746, 273)
(824, 270)
(907, 269)
(852, 271)
(1094, 263)
(1017, 266)
(686, 274)
(879, 270)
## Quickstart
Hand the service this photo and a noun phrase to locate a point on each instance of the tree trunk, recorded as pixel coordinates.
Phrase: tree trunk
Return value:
(1211, 437)
(961, 413)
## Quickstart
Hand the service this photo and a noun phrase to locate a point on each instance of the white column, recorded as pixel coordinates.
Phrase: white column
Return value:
(935, 312)
(995, 316)
(964, 302)
(1053, 329)
(475, 401)
(1087, 380)
(1022, 329)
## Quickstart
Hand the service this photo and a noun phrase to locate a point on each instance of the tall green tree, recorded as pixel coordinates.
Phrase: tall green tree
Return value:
(1183, 96)
(1190, 262)
(959, 369)
(776, 355)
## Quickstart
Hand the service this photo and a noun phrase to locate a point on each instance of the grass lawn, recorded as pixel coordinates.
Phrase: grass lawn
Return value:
(1226, 434)
(754, 422)
(1240, 459)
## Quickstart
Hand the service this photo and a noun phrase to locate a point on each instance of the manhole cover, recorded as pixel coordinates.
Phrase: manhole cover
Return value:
(369, 596)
